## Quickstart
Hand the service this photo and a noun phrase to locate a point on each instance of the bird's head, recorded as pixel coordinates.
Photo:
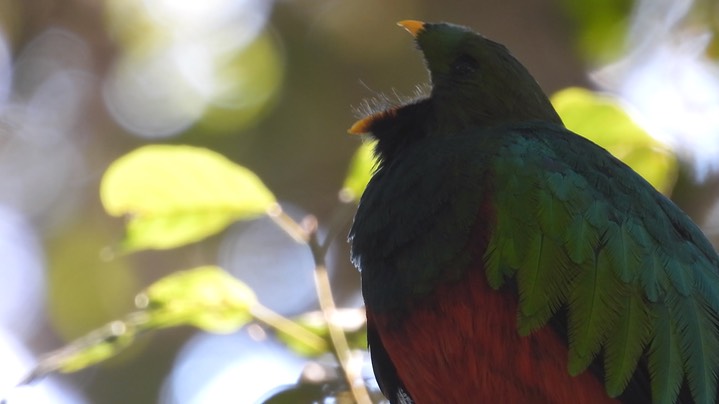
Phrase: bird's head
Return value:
(478, 78)
(476, 82)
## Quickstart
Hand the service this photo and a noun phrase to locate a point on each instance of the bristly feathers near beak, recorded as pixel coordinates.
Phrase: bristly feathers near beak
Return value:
(363, 125)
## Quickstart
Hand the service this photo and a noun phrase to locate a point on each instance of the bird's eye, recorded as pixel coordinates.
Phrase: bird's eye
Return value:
(464, 65)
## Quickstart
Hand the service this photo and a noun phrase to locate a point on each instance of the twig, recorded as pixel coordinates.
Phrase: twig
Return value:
(286, 223)
(327, 304)
(306, 233)
(289, 327)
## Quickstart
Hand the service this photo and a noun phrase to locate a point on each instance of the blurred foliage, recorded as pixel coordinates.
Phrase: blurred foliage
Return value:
(247, 84)
(360, 171)
(601, 27)
(277, 81)
(207, 68)
(602, 120)
(97, 346)
(180, 187)
(84, 289)
(174, 195)
(704, 15)
(205, 297)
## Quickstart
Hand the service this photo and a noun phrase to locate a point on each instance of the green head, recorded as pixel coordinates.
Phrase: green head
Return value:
(478, 78)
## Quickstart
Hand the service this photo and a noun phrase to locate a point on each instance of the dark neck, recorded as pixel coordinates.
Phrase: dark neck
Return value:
(398, 128)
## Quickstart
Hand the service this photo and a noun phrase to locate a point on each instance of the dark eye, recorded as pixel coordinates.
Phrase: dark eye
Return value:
(464, 65)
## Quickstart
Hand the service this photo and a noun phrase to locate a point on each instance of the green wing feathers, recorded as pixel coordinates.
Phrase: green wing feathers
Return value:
(665, 359)
(578, 229)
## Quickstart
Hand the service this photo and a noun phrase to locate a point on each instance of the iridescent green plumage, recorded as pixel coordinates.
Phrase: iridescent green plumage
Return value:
(633, 271)
(484, 167)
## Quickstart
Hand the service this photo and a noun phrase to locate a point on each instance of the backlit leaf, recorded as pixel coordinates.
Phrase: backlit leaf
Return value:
(206, 297)
(175, 195)
(95, 347)
(602, 120)
(359, 173)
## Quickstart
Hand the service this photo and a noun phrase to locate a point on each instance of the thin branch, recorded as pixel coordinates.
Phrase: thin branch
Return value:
(286, 223)
(289, 327)
(337, 335)
(306, 233)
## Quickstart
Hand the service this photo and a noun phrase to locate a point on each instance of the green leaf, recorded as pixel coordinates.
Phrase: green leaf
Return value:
(206, 297)
(359, 173)
(602, 120)
(175, 195)
(95, 347)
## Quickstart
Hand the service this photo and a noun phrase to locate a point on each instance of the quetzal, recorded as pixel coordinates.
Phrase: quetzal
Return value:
(505, 259)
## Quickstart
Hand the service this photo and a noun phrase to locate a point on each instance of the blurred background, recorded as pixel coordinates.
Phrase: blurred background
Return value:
(271, 85)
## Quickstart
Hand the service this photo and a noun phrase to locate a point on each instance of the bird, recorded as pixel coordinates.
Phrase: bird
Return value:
(506, 259)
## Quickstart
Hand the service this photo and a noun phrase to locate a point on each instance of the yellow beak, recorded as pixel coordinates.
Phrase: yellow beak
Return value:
(412, 26)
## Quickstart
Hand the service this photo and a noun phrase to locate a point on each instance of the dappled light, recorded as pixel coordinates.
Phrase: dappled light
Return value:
(265, 257)
(163, 82)
(23, 288)
(18, 359)
(202, 146)
(5, 68)
(670, 82)
(208, 369)
(42, 121)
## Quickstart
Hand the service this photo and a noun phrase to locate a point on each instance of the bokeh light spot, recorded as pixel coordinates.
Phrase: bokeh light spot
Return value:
(228, 369)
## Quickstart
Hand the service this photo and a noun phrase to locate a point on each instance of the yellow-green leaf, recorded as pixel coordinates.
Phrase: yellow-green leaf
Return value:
(601, 119)
(359, 173)
(97, 346)
(205, 297)
(108, 341)
(175, 195)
